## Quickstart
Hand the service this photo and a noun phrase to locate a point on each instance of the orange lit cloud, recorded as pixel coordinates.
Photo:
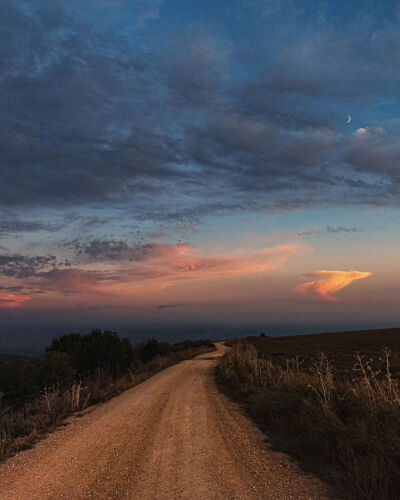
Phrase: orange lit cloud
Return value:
(184, 263)
(9, 300)
(156, 267)
(329, 283)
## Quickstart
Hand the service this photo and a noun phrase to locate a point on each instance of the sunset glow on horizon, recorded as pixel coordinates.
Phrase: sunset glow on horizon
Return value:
(10, 300)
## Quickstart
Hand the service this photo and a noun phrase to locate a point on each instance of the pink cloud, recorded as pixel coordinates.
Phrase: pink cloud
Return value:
(9, 300)
(159, 268)
(329, 283)
(184, 263)
(70, 280)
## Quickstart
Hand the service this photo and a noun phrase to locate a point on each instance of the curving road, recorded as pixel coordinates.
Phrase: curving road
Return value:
(173, 436)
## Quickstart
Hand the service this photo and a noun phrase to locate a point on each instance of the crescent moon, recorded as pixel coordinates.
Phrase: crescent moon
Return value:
(349, 118)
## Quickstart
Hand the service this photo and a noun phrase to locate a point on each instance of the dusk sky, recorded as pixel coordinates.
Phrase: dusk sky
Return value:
(170, 162)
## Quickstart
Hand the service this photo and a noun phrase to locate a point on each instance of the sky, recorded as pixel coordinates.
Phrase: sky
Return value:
(182, 164)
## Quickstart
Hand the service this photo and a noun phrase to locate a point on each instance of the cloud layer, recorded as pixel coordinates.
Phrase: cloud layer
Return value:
(105, 114)
(135, 138)
(126, 268)
(10, 300)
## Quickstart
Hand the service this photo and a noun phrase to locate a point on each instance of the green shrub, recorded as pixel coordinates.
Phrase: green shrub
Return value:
(25, 374)
(98, 349)
(153, 348)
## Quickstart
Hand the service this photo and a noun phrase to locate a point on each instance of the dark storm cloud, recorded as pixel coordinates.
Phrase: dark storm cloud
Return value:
(102, 117)
(341, 229)
(279, 146)
(342, 50)
(359, 63)
(22, 266)
(169, 306)
(46, 274)
(24, 289)
(118, 250)
(73, 120)
(375, 151)
(12, 288)
(112, 250)
(331, 230)
(13, 224)
(75, 142)
(196, 65)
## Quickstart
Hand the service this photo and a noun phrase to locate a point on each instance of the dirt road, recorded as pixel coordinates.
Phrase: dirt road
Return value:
(172, 437)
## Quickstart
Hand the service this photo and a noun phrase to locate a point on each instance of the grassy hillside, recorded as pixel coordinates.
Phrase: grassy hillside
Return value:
(331, 400)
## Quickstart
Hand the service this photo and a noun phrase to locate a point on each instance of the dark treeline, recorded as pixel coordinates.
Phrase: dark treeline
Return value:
(78, 355)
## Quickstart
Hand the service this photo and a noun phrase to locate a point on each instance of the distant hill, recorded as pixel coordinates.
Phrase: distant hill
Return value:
(16, 352)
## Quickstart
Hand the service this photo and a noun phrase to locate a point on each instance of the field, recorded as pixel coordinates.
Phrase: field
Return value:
(331, 400)
(339, 347)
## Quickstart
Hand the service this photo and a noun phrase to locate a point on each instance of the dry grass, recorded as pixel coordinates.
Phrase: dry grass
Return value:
(23, 424)
(339, 347)
(347, 429)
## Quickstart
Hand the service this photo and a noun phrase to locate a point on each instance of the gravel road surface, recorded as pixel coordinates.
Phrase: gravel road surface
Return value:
(174, 436)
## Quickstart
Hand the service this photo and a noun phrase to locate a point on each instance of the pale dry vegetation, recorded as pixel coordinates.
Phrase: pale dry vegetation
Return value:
(347, 429)
(24, 421)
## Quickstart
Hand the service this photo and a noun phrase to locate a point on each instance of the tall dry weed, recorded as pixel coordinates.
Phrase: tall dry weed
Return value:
(346, 429)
